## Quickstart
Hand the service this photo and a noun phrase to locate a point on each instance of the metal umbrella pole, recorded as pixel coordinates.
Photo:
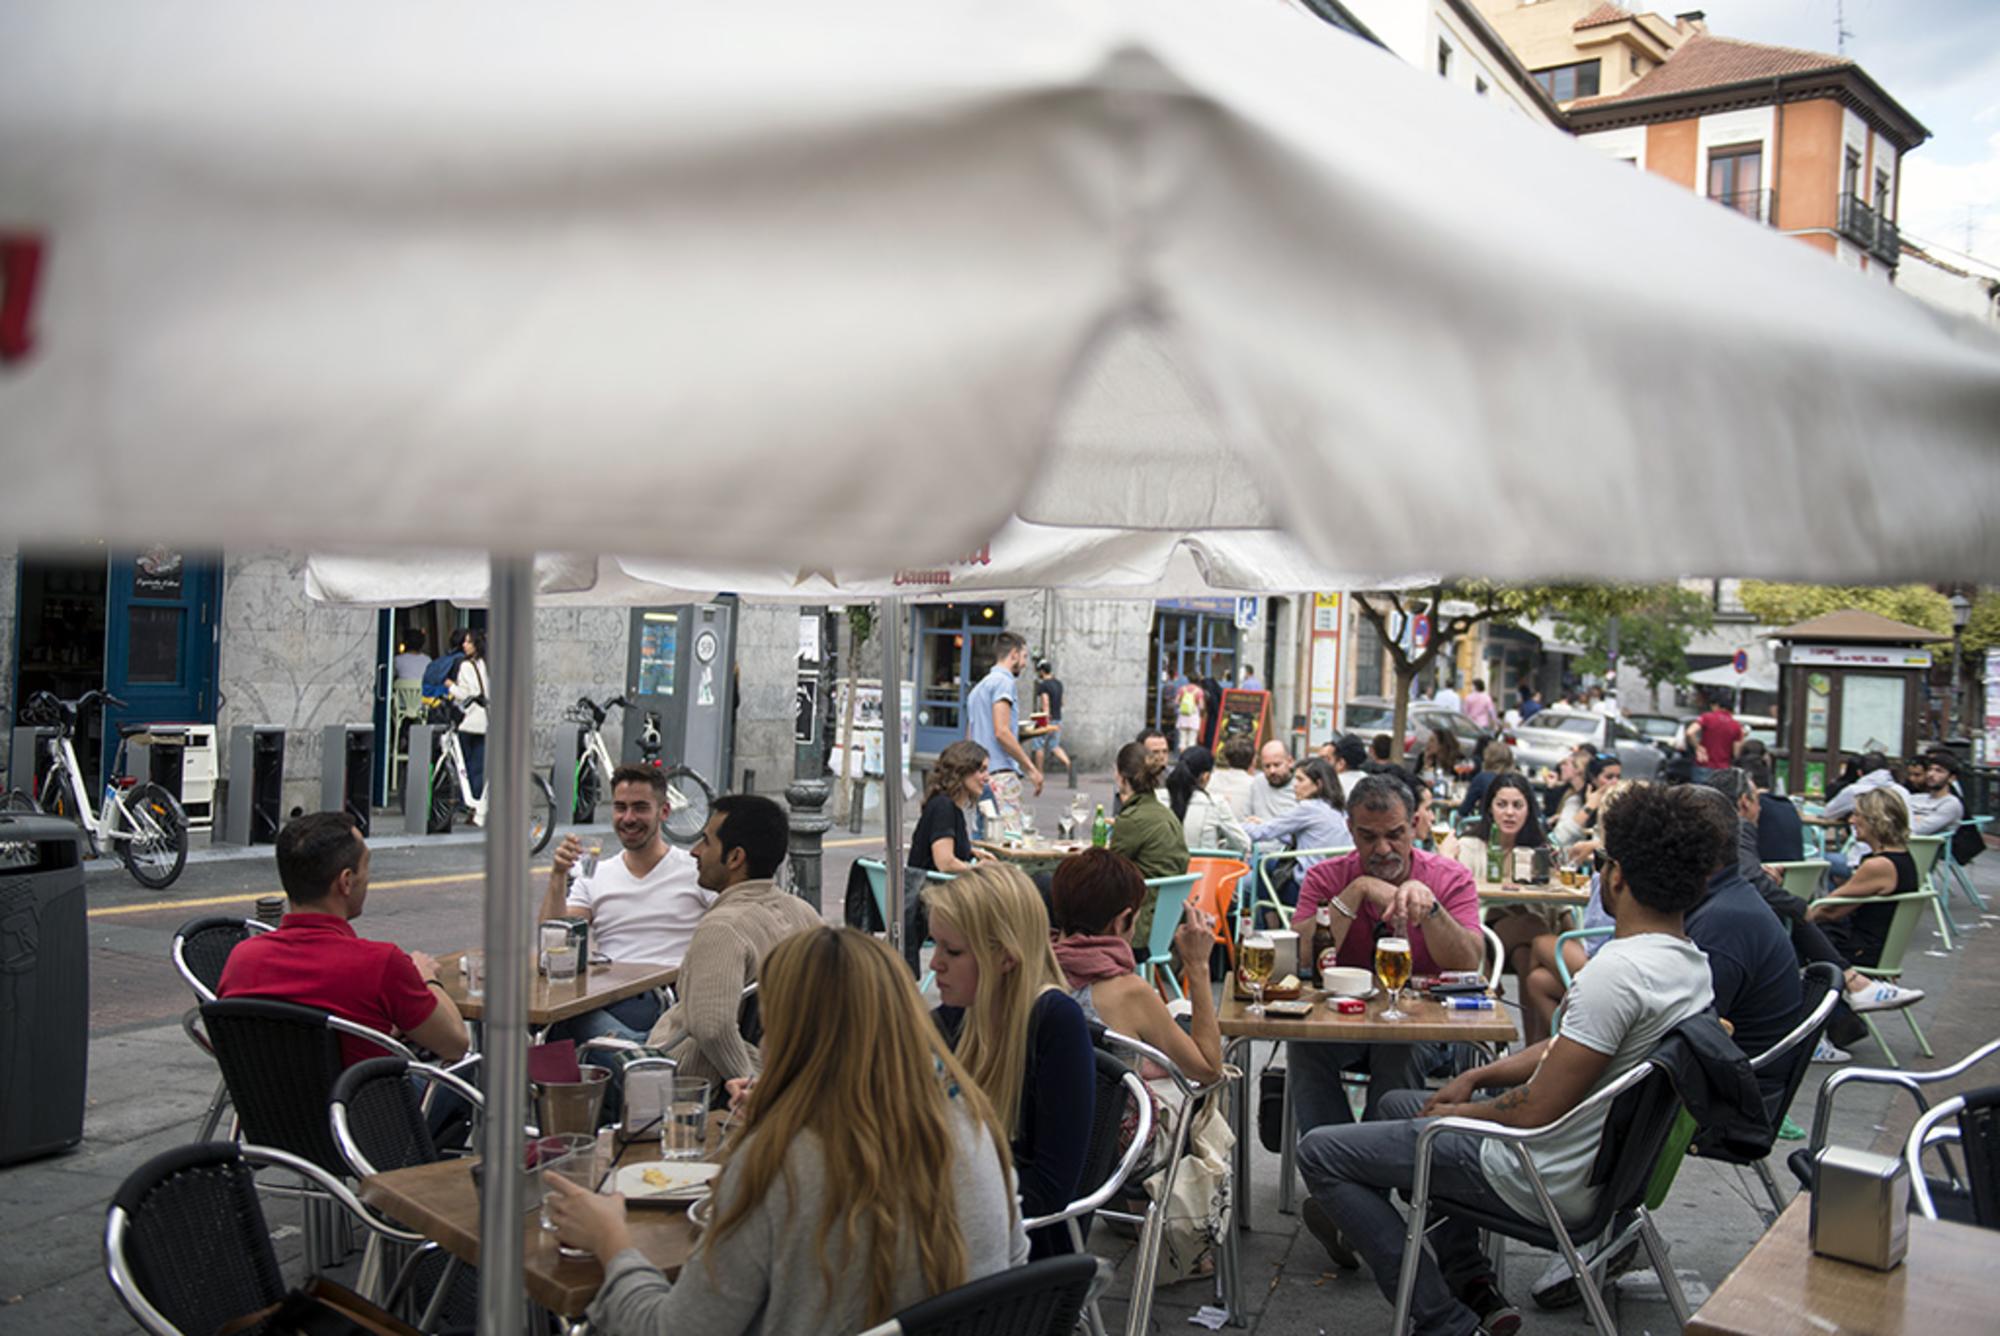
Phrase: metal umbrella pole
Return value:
(892, 764)
(502, 1293)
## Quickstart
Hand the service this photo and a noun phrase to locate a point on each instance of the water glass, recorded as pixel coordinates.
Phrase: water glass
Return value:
(567, 1155)
(1027, 823)
(683, 1131)
(562, 962)
(588, 863)
(553, 935)
(472, 969)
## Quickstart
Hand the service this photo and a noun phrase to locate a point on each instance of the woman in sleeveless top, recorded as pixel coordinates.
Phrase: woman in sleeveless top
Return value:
(1882, 822)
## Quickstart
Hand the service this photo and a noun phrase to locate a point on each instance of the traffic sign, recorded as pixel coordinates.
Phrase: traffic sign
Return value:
(1742, 661)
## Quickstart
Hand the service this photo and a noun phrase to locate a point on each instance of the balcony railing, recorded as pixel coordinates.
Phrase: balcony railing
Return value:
(1761, 205)
(1866, 228)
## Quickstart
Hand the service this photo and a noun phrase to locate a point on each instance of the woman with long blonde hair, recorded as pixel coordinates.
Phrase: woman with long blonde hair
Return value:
(869, 1171)
(1021, 1036)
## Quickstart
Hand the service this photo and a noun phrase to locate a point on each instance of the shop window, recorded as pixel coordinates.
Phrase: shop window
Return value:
(155, 655)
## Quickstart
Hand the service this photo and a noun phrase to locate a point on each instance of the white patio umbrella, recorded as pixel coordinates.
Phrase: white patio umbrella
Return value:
(810, 284)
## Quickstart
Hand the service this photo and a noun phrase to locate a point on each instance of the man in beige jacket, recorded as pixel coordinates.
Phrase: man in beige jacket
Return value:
(739, 851)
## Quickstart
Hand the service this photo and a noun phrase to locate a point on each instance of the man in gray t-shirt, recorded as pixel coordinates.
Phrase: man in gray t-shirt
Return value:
(1662, 844)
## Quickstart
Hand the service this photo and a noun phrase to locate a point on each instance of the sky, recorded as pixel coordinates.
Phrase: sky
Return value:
(1941, 60)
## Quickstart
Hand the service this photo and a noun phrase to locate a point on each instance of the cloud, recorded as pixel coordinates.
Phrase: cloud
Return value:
(1940, 199)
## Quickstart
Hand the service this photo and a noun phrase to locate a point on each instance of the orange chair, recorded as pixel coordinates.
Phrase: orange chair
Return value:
(1216, 892)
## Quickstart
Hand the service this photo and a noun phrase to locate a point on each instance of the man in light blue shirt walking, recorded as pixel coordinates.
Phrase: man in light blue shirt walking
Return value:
(992, 720)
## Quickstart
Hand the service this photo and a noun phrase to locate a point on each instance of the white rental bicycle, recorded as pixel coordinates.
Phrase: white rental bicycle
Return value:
(138, 818)
(688, 794)
(451, 781)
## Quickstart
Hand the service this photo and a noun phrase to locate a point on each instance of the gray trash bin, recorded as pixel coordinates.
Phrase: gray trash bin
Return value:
(44, 987)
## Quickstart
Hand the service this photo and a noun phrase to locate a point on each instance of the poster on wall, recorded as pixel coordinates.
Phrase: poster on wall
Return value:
(864, 745)
(158, 572)
(1871, 713)
(1245, 714)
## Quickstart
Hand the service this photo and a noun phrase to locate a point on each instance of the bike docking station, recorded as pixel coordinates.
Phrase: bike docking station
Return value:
(28, 762)
(421, 752)
(346, 771)
(256, 785)
(569, 750)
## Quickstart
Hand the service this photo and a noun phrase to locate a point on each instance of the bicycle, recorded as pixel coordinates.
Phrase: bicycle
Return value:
(139, 818)
(450, 779)
(689, 797)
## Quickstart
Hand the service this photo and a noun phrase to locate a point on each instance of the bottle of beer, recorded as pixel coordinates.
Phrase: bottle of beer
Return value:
(1322, 943)
(1493, 861)
(1100, 829)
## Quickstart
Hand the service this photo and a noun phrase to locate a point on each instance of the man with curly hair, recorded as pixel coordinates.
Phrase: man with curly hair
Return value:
(1662, 844)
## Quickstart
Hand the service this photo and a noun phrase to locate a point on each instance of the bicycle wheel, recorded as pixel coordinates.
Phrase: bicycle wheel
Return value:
(18, 801)
(444, 801)
(541, 813)
(586, 794)
(688, 800)
(157, 848)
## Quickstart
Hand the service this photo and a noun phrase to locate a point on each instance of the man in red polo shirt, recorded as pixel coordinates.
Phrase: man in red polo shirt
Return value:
(315, 959)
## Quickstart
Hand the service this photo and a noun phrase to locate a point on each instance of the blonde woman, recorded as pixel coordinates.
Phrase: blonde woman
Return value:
(1020, 1035)
(869, 1172)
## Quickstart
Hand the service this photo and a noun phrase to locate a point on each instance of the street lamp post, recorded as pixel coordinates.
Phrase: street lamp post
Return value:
(1961, 613)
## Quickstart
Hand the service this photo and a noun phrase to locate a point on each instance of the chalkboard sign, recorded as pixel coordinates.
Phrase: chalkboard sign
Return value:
(1245, 714)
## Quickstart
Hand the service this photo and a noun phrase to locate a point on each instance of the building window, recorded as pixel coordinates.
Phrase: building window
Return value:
(1444, 57)
(1479, 87)
(1565, 83)
(1882, 193)
(1367, 659)
(1736, 177)
(1850, 174)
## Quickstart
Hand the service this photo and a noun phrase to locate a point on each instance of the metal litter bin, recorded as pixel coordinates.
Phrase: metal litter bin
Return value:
(44, 987)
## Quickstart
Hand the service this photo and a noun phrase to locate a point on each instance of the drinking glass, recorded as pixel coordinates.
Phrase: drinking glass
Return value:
(683, 1131)
(591, 852)
(567, 1155)
(553, 936)
(562, 962)
(1392, 966)
(1257, 959)
(472, 968)
(1065, 827)
(1027, 824)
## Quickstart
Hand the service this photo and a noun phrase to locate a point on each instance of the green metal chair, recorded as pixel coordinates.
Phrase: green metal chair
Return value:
(1926, 851)
(1249, 907)
(1167, 909)
(1805, 878)
(1949, 869)
(1909, 908)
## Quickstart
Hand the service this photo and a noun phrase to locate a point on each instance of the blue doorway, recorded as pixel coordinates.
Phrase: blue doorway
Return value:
(953, 649)
(161, 610)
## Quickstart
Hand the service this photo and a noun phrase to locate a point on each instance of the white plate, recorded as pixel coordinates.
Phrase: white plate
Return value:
(685, 1180)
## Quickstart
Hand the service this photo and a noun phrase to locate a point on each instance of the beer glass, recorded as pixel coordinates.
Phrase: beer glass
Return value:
(1256, 960)
(1392, 966)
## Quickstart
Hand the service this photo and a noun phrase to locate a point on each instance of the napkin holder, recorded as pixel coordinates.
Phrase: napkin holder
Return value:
(1861, 1207)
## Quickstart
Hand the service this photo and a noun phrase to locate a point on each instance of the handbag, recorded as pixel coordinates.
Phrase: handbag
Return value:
(1271, 1108)
(1967, 842)
(1198, 1209)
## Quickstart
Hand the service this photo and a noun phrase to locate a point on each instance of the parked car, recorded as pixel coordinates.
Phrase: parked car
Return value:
(1665, 730)
(1541, 743)
(1365, 716)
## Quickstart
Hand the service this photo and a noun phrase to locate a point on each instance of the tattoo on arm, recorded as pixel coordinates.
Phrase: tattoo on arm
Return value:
(1512, 1098)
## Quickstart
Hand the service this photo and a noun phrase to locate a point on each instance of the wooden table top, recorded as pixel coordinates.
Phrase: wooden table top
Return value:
(1509, 893)
(1039, 851)
(439, 1201)
(1429, 1021)
(1945, 1284)
(598, 986)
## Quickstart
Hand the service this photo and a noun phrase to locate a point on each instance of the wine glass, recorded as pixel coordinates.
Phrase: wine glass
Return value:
(1257, 959)
(1392, 966)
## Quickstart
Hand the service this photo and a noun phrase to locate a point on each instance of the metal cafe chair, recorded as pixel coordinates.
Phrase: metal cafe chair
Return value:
(186, 1245)
(1040, 1299)
(1105, 1169)
(1640, 1141)
(201, 948)
(1976, 1115)
(1909, 908)
(1802, 1161)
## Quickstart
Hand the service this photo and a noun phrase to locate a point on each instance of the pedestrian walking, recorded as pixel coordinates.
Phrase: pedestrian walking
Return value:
(1188, 706)
(992, 720)
(1049, 702)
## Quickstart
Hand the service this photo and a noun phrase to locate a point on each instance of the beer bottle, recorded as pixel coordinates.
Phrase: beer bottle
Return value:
(1322, 943)
(1100, 829)
(1493, 861)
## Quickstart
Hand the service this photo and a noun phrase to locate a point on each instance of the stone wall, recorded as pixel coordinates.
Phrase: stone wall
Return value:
(578, 652)
(767, 649)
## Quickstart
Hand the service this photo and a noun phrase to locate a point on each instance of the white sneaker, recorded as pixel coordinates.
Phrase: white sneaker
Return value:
(1826, 1052)
(1883, 996)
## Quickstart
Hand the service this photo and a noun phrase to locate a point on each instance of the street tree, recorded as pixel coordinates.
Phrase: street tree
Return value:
(1783, 604)
(1472, 602)
(1652, 634)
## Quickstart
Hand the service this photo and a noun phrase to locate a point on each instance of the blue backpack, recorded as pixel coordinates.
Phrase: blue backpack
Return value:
(438, 676)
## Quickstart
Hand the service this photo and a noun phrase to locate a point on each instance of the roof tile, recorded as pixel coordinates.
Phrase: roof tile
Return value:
(1603, 14)
(1705, 61)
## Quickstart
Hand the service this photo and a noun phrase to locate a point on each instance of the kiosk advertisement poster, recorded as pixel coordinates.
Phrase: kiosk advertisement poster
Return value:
(865, 743)
(1244, 714)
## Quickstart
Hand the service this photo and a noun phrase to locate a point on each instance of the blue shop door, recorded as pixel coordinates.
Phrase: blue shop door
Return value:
(160, 641)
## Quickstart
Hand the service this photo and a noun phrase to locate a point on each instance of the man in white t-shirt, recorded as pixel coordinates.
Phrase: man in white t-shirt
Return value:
(643, 904)
(1661, 843)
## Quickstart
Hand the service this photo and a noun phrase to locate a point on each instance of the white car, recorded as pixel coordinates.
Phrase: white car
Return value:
(1540, 743)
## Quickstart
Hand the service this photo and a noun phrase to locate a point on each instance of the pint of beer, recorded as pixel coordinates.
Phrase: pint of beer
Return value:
(1392, 962)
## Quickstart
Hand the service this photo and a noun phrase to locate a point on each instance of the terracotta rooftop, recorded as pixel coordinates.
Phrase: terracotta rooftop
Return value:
(1856, 625)
(1603, 14)
(1705, 61)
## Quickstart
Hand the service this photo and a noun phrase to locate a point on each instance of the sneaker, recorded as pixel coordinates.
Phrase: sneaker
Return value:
(1824, 1051)
(1557, 1288)
(1328, 1234)
(1883, 996)
(1497, 1317)
(1790, 1131)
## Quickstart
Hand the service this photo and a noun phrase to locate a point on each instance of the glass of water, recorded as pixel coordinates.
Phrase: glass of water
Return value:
(1027, 823)
(568, 1155)
(683, 1131)
(562, 962)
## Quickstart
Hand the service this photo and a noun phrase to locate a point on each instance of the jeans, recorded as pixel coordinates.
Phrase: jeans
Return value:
(1351, 1172)
(1313, 1072)
(474, 747)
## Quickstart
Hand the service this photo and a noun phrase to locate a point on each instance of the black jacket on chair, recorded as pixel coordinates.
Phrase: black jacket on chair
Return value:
(1716, 1087)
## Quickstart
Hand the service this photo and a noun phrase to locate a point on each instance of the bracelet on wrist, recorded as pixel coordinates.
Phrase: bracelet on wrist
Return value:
(433, 983)
(1335, 902)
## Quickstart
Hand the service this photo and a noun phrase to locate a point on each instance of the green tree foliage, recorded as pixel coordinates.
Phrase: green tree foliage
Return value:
(1783, 604)
(1982, 632)
(1653, 633)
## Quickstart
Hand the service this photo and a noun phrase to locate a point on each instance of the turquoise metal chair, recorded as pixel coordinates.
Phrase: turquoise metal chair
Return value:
(1167, 910)
(1249, 906)
(1950, 870)
(878, 883)
(1926, 851)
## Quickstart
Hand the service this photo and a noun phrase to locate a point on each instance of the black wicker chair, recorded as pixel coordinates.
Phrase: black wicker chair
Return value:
(201, 948)
(186, 1245)
(1040, 1299)
(1975, 1199)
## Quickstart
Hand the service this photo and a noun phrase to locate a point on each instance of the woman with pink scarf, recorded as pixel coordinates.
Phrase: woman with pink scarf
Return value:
(1095, 897)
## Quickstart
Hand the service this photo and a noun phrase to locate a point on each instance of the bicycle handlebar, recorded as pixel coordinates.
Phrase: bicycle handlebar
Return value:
(64, 713)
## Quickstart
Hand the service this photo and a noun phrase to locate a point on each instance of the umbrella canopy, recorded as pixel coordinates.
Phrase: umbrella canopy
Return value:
(1723, 675)
(791, 284)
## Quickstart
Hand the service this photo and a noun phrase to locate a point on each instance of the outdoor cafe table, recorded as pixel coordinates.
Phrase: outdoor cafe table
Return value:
(1945, 1284)
(440, 1202)
(1031, 856)
(549, 1002)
